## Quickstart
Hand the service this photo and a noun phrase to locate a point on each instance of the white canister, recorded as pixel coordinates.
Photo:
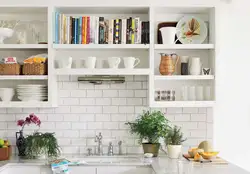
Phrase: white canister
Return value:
(192, 93)
(174, 151)
(195, 66)
(168, 35)
(114, 62)
(130, 62)
(199, 93)
(89, 62)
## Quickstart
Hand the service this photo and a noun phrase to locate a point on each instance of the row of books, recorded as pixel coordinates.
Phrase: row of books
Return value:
(98, 30)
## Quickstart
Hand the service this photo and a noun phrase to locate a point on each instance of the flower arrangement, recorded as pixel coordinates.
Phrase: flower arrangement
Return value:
(29, 120)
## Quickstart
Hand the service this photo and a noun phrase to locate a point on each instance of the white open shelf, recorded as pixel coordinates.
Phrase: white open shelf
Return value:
(100, 46)
(183, 46)
(23, 46)
(22, 104)
(83, 71)
(182, 77)
(177, 104)
(23, 77)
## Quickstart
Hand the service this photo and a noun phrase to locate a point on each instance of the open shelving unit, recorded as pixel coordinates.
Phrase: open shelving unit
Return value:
(149, 54)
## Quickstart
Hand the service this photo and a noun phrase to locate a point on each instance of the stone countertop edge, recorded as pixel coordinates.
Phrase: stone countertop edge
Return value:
(160, 165)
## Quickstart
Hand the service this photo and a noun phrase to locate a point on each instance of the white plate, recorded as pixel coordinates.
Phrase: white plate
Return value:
(191, 30)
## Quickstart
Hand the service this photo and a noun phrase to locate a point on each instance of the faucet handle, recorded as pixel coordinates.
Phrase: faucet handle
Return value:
(89, 151)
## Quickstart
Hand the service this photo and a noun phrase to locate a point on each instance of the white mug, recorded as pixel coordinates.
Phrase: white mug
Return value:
(114, 62)
(131, 62)
(99, 63)
(89, 62)
(64, 62)
(195, 66)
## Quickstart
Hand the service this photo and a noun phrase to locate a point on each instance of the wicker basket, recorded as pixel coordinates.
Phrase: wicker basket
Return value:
(5, 153)
(34, 69)
(10, 69)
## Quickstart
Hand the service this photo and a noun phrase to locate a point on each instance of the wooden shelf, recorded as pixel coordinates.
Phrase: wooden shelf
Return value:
(23, 77)
(188, 77)
(177, 104)
(23, 46)
(100, 46)
(184, 46)
(21, 104)
(103, 71)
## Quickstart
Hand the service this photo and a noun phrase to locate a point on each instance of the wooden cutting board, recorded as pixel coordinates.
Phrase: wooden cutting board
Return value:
(217, 160)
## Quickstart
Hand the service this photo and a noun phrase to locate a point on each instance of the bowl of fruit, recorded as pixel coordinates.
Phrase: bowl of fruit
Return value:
(5, 150)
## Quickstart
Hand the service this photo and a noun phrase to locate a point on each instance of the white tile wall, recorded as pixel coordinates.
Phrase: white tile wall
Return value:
(86, 109)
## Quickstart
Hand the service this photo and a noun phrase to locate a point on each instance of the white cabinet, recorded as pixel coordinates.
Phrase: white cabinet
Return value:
(123, 170)
(23, 170)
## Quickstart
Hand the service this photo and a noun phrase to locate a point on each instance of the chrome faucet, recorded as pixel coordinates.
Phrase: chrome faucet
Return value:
(98, 139)
(120, 148)
(110, 149)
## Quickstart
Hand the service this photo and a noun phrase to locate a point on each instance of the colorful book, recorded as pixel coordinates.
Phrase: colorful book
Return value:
(92, 29)
(57, 28)
(88, 30)
(96, 30)
(70, 30)
(76, 30)
(80, 31)
(133, 32)
(137, 21)
(101, 30)
(106, 31)
(111, 31)
(85, 29)
(139, 33)
(120, 32)
(124, 31)
(116, 31)
(73, 31)
(129, 30)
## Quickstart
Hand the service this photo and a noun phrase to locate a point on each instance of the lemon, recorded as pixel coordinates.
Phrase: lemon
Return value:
(1, 142)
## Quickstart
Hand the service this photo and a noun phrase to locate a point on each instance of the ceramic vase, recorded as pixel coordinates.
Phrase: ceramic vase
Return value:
(20, 143)
(168, 64)
(174, 151)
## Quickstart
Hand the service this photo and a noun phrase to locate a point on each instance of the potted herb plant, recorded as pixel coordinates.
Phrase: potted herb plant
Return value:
(150, 126)
(42, 144)
(174, 140)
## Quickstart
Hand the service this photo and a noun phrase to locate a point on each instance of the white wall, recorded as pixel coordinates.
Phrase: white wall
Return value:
(232, 114)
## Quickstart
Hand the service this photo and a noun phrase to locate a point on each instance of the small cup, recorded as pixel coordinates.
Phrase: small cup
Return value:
(114, 62)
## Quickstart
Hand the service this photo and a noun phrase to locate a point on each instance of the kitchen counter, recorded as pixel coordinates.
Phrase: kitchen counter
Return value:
(160, 165)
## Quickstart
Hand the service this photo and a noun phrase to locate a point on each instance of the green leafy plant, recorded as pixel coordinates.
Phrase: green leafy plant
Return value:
(150, 125)
(174, 136)
(39, 144)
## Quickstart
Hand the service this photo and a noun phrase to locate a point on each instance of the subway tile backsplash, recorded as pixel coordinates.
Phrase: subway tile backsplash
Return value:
(86, 109)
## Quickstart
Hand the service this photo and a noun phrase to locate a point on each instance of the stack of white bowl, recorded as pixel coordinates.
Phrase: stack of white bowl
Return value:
(31, 92)
(6, 94)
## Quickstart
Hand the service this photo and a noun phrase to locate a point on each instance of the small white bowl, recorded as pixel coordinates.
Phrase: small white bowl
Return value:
(148, 155)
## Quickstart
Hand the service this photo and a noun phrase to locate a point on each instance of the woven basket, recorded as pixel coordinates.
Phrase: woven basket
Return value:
(5, 153)
(10, 69)
(34, 69)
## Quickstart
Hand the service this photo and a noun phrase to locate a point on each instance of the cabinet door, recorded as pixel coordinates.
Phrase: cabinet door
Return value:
(24, 169)
(82, 170)
(124, 170)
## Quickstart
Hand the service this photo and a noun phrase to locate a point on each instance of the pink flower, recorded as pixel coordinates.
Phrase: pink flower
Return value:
(27, 120)
(20, 122)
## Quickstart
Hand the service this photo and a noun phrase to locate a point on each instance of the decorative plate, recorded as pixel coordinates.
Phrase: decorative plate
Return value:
(191, 30)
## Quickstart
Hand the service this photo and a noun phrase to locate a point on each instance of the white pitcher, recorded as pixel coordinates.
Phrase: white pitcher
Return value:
(131, 62)
(64, 63)
(114, 62)
(168, 35)
(195, 66)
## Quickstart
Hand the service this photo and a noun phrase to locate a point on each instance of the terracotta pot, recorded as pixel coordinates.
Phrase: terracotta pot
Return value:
(168, 64)
(151, 148)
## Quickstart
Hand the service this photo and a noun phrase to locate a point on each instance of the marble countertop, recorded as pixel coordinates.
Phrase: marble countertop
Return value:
(160, 165)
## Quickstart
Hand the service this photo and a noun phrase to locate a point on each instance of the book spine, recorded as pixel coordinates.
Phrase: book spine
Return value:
(139, 33)
(80, 31)
(143, 33)
(127, 32)
(60, 28)
(130, 30)
(120, 32)
(64, 29)
(147, 33)
(96, 30)
(76, 31)
(85, 29)
(92, 30)
(101, 30)
(88, 30)
(106, 31)
(133, 32)
(56, 41)
(137, 20)
(124, 31)
(73, 30)
(70, 29)
(111, 31)
(116, 31)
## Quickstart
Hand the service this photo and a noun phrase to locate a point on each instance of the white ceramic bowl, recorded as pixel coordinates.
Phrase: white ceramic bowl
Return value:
(5, 33)
(6, 94)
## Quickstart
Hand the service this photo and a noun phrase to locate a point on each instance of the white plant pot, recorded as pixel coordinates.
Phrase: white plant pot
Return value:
(174, 151)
